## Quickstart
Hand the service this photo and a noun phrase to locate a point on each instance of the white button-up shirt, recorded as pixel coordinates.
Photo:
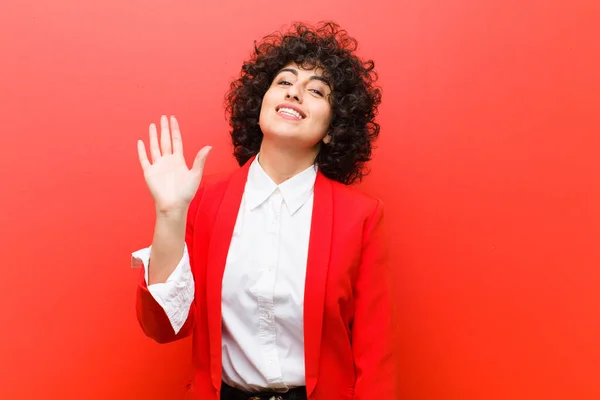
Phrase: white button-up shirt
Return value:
(263, 284)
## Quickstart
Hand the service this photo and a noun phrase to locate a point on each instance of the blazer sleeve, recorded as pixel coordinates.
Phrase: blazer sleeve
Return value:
(374, 339)
(151, 316)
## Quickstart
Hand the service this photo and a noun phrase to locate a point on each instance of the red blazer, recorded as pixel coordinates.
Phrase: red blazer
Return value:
(349, 316)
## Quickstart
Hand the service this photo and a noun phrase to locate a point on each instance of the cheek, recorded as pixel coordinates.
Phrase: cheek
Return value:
(265, 104)
(269, 100)
(324, 115)
(270, 95)
(265, 98)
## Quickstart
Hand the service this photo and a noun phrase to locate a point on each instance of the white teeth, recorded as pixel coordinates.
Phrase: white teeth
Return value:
(291, 112)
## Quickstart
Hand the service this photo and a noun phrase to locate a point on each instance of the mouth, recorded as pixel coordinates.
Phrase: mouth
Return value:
(290, 111)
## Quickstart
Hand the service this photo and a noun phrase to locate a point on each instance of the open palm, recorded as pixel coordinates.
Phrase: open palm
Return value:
(171, 183)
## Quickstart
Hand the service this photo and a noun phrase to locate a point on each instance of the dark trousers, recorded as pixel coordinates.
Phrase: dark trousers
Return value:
(229, 393)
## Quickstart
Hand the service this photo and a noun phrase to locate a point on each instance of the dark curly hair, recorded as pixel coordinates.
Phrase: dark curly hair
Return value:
(354, 97)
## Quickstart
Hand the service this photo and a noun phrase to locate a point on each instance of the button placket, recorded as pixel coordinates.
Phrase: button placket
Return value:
(266, 302)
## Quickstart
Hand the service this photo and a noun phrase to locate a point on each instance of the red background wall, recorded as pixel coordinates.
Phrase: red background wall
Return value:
(488, 164)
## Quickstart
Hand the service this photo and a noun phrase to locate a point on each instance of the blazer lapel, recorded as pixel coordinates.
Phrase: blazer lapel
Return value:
(316, 277)
(217, 257)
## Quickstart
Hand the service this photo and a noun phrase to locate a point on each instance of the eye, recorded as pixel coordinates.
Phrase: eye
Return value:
(318, 92)
(284, 82)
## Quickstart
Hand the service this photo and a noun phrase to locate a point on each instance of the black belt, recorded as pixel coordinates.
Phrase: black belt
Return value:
(229, 393)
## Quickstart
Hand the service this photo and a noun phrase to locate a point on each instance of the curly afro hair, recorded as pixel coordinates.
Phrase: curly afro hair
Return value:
(354, 98)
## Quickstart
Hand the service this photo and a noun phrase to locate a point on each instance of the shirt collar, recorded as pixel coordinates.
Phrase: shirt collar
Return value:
(295, 191)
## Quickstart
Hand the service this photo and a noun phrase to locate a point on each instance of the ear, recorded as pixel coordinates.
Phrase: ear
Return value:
(327, 139)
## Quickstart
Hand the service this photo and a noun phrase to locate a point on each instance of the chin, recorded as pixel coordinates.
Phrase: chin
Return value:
(285, 137)
(282, 132)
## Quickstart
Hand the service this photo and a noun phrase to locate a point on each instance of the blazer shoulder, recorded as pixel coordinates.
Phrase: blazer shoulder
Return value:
(355, 196)
(211, 186)
(216, 181)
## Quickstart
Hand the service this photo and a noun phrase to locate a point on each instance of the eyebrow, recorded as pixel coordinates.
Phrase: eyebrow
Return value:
(313, 77)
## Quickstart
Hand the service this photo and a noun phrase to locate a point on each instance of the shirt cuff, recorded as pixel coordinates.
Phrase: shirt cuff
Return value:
(175, 296)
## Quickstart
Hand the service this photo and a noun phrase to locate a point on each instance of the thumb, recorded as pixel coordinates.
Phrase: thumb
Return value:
(200, 160)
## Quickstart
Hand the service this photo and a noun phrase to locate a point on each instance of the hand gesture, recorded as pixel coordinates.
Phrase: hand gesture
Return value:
(171, 183)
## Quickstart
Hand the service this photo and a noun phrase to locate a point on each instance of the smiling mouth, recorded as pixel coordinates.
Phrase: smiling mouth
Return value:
(290, 113)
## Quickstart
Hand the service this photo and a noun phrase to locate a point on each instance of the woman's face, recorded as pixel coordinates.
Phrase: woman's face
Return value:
(296, 108)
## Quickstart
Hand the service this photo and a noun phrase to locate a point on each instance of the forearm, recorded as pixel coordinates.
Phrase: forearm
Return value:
(167, 245)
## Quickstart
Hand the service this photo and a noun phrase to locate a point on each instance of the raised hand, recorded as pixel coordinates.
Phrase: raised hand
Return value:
(171, 183)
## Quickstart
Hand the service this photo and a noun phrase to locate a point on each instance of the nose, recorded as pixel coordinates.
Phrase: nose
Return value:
(294, 92)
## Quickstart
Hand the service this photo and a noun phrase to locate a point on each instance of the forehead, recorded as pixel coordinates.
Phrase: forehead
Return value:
(307, 69)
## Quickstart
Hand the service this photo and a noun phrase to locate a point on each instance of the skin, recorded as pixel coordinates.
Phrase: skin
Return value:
(290, 145)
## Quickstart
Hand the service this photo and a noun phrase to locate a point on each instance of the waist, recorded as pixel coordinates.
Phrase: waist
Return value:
(230, 393)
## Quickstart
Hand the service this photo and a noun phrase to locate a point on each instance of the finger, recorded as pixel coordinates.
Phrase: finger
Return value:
(176, 136)
(141, 149)
(165, 136)
(200, 160)
(154, 150)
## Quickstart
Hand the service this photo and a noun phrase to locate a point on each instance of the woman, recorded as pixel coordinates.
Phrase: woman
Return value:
(278, 270)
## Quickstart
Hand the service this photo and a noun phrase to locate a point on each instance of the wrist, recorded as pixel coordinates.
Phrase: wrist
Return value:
(172, 214)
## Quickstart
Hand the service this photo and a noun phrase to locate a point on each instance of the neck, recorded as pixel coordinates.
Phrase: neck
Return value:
(281, 163)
